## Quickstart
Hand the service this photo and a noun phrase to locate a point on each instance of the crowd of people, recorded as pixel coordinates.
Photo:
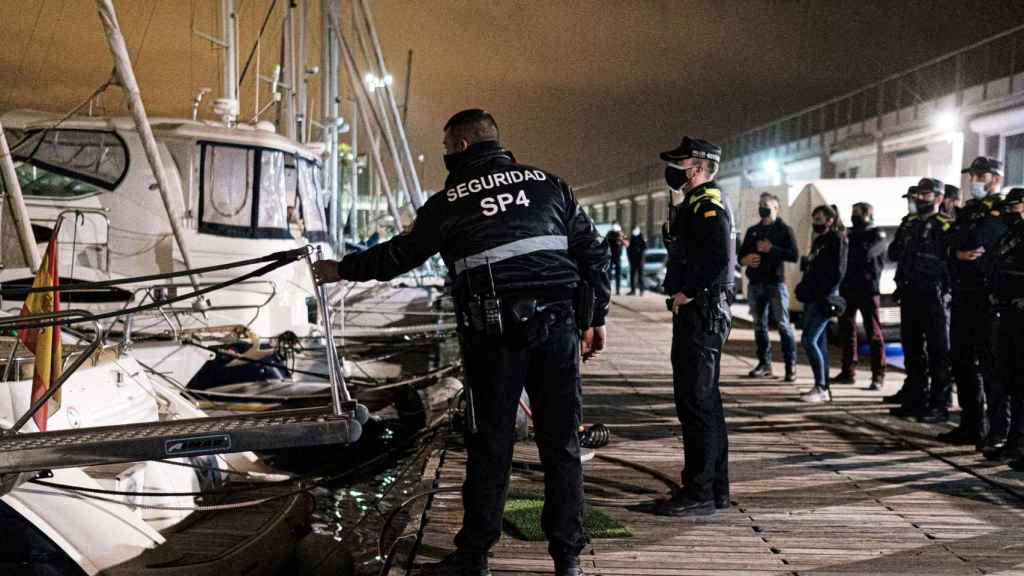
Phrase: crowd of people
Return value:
(960, 288)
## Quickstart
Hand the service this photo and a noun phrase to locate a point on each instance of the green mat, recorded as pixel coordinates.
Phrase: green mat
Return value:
(522, 518)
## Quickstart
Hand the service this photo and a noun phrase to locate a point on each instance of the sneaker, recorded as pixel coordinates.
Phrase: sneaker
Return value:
(958, 437)
(816, 395)
(844, 377)
(877, 382)
(790, 373)
(761, 371)
(457, 563)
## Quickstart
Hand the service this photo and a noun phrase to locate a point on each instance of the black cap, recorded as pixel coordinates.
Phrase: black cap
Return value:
(1014, 196)
(927, 185)
(983, 164)
(952, 190)
(693, 148)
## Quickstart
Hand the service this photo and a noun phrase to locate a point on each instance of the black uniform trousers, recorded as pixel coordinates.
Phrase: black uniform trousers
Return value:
(636, 274)
(696, 364)
(547, 364)
(615, 269)
(925, 336)
(973, 334)
(1011, 368)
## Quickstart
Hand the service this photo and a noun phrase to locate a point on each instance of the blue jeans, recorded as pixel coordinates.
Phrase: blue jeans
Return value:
(815, 341)
(774, 297)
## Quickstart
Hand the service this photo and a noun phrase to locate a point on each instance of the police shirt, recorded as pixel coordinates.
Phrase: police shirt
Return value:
(698, 258)
(979, 224)
(923, 264)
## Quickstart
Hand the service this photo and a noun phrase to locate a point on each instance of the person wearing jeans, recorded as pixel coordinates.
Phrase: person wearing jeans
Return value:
(767, 246)
(823, 271)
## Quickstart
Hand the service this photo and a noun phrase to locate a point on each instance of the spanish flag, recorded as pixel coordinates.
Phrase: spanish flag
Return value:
(44, 342)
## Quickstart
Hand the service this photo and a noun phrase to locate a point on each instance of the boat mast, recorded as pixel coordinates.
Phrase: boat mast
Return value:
(126, 78)
(329, 113)
(16, 202)
(229, 77)
(299, 74)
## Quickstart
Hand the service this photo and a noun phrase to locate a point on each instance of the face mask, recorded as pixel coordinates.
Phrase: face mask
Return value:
(924, 207)
(676, 178)
(858, 220)
(451, 161)
(978, 190)
(764, 211)
(820, 228)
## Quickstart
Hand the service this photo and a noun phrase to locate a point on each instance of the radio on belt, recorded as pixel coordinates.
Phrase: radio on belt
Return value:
(484, 308)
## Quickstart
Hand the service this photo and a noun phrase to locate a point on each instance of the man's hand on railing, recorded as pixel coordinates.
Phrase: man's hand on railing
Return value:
(325, 271)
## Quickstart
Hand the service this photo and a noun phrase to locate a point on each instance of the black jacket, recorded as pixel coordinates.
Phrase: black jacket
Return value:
(978, 224)
(637, 247)
(700, 233)
(614, 239)
(864, 261)
(523, 221)
(784, 249)
(825, 267)
(923, 253)
(1006, 273)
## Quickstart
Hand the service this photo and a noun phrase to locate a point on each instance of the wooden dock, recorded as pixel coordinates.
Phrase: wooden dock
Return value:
(841, 488)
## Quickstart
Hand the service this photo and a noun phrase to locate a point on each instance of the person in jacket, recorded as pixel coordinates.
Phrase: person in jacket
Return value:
(615, 242)
(922, 283)
(1006, 278)
(766, 247)
(635, 251)
(864, 263)
(818, 290)
(974, 322)
(517, 246)
(699, 281)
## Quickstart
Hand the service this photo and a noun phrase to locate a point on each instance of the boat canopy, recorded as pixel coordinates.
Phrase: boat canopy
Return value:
(70, 163)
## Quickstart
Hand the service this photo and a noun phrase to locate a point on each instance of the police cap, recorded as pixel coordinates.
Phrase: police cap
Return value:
(983, 164)
(1014, 196)
(952, 191)
(693, 148)
(927, 185)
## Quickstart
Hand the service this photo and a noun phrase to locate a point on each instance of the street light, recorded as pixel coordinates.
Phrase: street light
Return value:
(770, 166)
(945, 121)
(373, 82)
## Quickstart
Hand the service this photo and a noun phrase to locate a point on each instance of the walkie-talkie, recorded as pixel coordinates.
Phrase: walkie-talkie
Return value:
(485, 308)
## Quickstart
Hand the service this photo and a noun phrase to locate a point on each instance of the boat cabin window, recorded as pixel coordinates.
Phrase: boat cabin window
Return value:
(311, 208)
(66, 163)
(242, 191)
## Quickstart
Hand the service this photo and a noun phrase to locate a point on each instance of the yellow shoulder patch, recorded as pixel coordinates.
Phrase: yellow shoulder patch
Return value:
(996, 213)
(710, 214)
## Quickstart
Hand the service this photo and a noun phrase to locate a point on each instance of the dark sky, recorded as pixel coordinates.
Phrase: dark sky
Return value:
(587, 89)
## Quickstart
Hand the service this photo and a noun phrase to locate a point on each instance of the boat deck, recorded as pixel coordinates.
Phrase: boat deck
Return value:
(841, 488)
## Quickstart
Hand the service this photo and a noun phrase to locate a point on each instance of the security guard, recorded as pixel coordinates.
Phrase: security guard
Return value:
(1007, 281)
(699, 280)
(922, 278)
(973, 323)
(519, 250)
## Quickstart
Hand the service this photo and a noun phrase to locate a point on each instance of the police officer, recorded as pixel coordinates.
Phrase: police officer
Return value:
(1007, 281)
(922, 278)
(699, 280)
(519, 250)
(894, 253)
(973, 323)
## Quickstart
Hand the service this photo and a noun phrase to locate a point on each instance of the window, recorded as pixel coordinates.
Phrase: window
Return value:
(1014, 160)
(310, 208)
(70, 163)
(243, 192)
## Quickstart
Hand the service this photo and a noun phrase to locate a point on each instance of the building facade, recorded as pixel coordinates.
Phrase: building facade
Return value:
(930, 120)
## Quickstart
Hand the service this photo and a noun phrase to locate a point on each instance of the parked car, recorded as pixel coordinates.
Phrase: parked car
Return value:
(654, 268)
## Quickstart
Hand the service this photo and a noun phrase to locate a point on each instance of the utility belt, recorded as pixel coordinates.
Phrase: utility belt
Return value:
(713, 306)
(491, 315)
